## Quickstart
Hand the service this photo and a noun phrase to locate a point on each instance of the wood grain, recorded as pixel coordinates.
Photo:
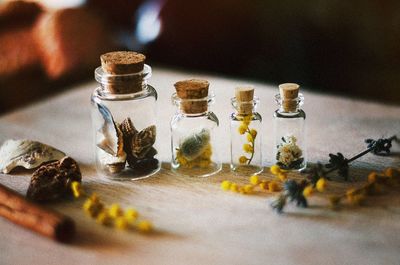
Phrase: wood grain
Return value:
(197, 222)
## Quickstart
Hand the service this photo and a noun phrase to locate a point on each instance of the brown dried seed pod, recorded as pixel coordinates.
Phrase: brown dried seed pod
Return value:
(128, 128)
(52, 181)
(143, 141)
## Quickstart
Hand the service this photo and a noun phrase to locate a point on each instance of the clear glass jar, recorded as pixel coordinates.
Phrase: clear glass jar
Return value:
(193, 138)
(246, 154)
(124, 125)
(290, 150)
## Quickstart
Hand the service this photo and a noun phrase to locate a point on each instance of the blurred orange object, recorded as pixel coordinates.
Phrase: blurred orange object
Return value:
(17, 52)
(70, 40)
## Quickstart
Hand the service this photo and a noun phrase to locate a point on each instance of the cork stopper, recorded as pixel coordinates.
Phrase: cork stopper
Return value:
(194, 94)
(289, 93)
(123, 66)
(244, 98)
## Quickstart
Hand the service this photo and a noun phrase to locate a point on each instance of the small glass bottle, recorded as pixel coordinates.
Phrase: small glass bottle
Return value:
(246, 157)
(124, 118)
(193, 130)
(289, 129)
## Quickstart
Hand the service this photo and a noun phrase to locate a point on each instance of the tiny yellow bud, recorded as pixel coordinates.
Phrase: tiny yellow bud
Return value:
(249, 137)
(248, 148)
(350, 192)
(372, 177)
(103, 218)
(253, 133)
(131, 214)
(275, 169)
(248, 188)
(92, 208)
(321, 184)
(282, 176)
(389, 172)
(242, 160)
(264, 185)
(226, 185)
(76, 189)
(94, 198)
(308, 191)
(234, 187)
(87, 205)
(121, 223)
(254, 180)
(115, 211)
(144, 226)
(242, 129)
(273, 186)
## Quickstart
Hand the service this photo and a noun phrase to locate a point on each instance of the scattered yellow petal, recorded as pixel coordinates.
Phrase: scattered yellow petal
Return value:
(282, 176)
(121, 223)
(115, 211)
(248, 188)
(372, 177)
(308, 191)
(226, 185)
(92, 208)
(264, 185)
(389, 172)
(273, 186)
(234, 187)
(76, 189)
(275, 169)
(321, 184)
(94, 198)
(144, 226)
(254, 180)
(131, 214)
(87, 205)
(103, 218)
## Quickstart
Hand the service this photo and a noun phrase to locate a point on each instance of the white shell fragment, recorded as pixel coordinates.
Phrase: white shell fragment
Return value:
(114, 164)
(26, 153)
(110, 135)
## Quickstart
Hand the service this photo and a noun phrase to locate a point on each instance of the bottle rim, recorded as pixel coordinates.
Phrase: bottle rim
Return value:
(112, 79)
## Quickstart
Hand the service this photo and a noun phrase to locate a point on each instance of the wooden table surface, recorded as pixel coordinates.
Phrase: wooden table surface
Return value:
(196, 222)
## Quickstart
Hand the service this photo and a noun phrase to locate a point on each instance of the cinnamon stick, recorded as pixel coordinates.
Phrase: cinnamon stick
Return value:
(44, 221)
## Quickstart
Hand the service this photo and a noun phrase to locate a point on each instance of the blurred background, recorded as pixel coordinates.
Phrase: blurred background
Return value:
(336, 47)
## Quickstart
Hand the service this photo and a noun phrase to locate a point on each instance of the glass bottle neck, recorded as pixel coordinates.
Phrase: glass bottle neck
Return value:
(289, 106)
(123, 83)
(244, 108)
(193, 107)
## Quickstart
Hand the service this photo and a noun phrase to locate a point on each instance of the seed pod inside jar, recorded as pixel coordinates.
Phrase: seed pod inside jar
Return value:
(131, 105)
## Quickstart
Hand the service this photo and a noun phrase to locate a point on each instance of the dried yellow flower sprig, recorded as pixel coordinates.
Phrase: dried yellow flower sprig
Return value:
(376, 184)
(256, 184)
(113, 216)
(251, 135)
(300, 191)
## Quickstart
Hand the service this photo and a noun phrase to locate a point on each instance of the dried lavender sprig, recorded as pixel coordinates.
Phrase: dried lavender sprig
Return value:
(340, 163)
(293, 190)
